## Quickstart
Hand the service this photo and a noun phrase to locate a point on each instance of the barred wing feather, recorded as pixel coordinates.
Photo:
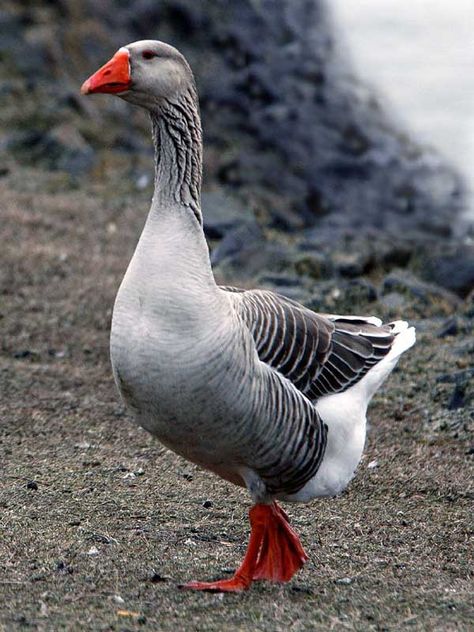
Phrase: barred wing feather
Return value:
(319, 353)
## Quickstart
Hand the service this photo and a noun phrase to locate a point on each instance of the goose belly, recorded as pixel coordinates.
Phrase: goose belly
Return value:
(178, 385)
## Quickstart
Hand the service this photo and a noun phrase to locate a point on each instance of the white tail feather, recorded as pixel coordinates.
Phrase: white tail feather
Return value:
(405, 338)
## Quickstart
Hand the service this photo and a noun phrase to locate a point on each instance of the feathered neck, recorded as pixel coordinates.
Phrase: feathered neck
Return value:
(177, 138)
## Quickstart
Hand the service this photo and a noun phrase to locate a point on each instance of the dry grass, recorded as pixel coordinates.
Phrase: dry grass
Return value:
(99, 523)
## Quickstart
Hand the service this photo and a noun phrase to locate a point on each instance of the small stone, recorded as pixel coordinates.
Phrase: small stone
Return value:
(32, 485)
(450, 327)
(155, 577)
(63, 568)
(207, 504)
(55, 353)
(350, 264)
(118, 599)
(142, 181)
(93, 551)
(372, 465)
(457, 399)
(344, 581)
(23, 353)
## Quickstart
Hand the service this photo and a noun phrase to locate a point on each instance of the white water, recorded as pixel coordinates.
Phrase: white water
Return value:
(419, 55)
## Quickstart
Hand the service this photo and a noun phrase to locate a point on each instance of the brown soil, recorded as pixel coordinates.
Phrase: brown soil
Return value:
(100, 524)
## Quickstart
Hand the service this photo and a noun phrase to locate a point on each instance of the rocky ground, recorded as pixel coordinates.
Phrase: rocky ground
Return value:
(100, 524)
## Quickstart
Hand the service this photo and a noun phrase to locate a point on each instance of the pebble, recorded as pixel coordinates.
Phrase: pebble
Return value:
(457, 399)
(450, 327)
(142, 181)
(154, 577)
(93, 551)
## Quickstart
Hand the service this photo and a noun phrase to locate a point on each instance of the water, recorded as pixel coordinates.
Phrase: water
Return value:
(419, 56)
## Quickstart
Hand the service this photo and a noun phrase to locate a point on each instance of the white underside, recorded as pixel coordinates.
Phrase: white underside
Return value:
(345, 415)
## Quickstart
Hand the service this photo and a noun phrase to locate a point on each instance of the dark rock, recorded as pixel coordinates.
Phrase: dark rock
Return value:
(223, 213)
(419, 293)
(32, 485)
(457, 399)
(469, 306)
(23, 353)
(453, 270)
(360, 291)
(282, 120)
(254, 259)
(450, 327)
(207, 504)
(295, 291)
(62, 148)
(280, 280)
(457, 377)
(313, 264)
(244, 237)
(393, 301)
(155, 577)
(348, 297)
(63, 568)
(340, 296)
(351, 264)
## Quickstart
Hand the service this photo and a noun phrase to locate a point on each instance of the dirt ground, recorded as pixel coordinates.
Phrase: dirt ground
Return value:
(100, 524)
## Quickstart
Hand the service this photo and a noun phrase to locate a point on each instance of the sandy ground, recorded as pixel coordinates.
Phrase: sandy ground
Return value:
(100, 524)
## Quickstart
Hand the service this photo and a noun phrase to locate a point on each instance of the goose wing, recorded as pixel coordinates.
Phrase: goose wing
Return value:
(319, 353)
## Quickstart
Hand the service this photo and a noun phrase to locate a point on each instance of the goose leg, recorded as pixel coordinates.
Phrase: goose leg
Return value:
(281, 554)
(274, 552)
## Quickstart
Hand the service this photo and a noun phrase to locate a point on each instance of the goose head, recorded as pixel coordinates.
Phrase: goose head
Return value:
(144, 73)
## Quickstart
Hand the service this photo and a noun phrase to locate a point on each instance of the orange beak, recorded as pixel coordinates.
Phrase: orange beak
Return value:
(112, 78)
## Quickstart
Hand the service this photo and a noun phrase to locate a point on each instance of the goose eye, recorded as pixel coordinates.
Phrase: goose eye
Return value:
(148, 54)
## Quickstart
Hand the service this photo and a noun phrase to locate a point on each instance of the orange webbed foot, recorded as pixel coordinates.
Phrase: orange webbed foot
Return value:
(274, 552)
(235, 584)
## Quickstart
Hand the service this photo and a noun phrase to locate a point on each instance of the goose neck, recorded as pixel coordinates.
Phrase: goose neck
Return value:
(177, 138)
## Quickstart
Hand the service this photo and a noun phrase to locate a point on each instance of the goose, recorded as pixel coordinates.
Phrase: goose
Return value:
(247, 384)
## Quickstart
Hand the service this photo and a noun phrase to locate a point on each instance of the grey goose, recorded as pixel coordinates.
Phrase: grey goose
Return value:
(245, 383)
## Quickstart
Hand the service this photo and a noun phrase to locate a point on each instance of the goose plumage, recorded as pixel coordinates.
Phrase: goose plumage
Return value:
(245, 383)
